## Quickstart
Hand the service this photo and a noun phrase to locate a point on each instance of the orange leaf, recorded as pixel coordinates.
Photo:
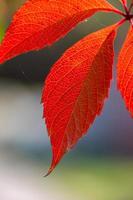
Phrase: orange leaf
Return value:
(39, 23)
(75, 90)
(125, 71)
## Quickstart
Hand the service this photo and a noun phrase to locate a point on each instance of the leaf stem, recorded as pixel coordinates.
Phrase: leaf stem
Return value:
(116, 11)
(131, 21)
(130, 8)
(124, 3)
(122, 21)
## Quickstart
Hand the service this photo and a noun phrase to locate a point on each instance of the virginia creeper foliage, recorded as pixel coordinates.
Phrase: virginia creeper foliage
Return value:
(79, 82)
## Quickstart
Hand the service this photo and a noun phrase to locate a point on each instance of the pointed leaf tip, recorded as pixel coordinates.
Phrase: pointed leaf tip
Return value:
(75, 90)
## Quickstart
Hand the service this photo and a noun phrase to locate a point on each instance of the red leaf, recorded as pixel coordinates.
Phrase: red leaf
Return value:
(75, 90)
(39, 23)
(125, 71)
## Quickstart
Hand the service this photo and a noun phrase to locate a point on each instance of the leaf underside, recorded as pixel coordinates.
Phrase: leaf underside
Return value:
(75, 90)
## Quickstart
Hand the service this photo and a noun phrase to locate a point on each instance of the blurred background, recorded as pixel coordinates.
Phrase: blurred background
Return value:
(100, 167)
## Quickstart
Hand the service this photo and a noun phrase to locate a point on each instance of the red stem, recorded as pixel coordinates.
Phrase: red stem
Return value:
(124, 3)
(121, 22)
(131, 21)
(116, 11)
(130, 8)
